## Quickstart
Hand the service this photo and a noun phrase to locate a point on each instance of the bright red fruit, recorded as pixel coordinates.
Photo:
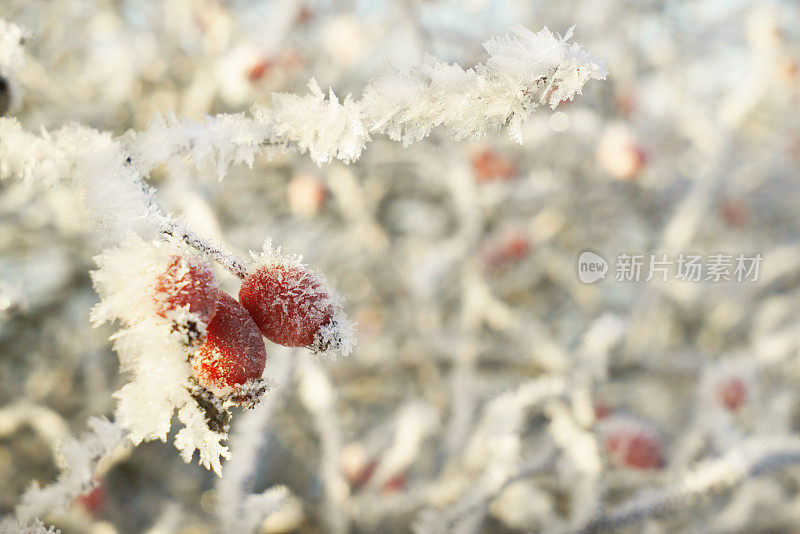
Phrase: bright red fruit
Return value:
(233, 352)
(635, 448)
(187, 281)
(731, 393)
(287, 302)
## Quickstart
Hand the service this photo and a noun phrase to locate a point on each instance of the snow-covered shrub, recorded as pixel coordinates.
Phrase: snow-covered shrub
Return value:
(185, 345)
(440, 208)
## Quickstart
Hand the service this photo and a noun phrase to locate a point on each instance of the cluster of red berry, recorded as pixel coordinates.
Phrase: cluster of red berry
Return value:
(633, 444)
(284, 302)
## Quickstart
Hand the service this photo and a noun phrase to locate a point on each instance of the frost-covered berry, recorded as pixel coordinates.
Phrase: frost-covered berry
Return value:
(287, 302)
(187, 281)
(292, 306)
(634, 447)
(731, 393)
(233, 353)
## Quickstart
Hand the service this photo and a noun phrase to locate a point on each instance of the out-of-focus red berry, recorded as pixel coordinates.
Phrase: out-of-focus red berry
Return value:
(734, 213)
(394, 484)
(233, 352)
(93, 500)
(287, 302)
(354, 462)
(731, 393)
(364, 475)
(601, 410)
(507, 248)
(487, 165)
(626, 101)
(257, 71)
(635, 448)
(304, 15)
(187, 281)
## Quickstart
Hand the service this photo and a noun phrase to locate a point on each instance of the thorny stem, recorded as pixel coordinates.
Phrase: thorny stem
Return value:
(177, 228)
(214, 250)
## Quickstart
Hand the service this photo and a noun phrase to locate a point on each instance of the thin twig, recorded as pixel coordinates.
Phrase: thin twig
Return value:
(753, 458)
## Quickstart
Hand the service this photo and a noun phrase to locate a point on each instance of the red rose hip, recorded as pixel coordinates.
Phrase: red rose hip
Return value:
(288, 303)
(731, 393)
(634, 448)
(233, 352)
(187, 281)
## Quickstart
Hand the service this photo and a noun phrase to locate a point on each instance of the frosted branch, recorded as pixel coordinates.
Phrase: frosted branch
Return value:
(752, 458)
(524, 70)
(80, 459)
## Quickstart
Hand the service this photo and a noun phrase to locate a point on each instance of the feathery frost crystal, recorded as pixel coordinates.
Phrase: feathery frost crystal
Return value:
(291, 305)
(153, 348)
(186, 346)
